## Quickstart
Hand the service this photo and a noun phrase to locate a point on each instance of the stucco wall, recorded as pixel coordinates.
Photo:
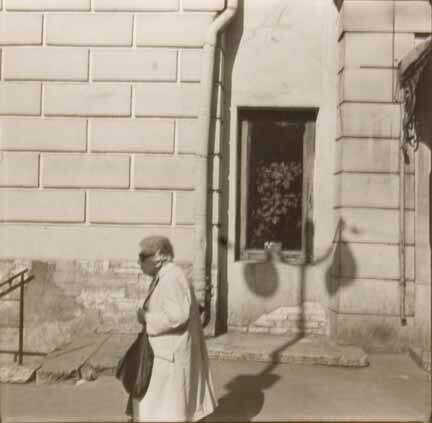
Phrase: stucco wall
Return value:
(283, 54)
(356, 178)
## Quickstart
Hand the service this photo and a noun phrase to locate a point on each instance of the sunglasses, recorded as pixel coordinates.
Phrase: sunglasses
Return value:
(142, 257)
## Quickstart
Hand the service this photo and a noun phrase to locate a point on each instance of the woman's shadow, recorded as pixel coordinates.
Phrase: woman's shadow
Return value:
(244, 399)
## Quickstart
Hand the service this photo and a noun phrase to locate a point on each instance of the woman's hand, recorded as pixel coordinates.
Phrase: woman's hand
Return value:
(141, 316)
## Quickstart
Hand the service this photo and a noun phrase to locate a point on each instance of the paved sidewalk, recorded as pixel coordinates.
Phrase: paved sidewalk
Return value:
(391, 388)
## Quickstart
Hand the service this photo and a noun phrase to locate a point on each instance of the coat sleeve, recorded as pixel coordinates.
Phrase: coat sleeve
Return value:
(174, 306)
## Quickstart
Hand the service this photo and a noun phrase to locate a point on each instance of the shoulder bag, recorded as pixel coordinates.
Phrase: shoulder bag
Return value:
(134, 369)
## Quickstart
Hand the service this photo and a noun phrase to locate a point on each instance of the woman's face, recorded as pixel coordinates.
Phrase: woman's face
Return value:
(149, 265)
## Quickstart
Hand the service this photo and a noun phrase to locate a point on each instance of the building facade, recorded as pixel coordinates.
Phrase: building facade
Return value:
(282, 198)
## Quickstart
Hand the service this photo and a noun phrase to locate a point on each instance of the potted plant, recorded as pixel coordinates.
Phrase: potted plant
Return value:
(275, 195)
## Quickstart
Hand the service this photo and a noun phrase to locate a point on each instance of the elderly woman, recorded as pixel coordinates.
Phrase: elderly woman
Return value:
(181, 387)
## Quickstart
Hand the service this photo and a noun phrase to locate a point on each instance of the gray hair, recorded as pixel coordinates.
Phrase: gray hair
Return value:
(157, 244)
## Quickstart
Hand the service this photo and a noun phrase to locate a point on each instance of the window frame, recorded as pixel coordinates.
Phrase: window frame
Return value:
(246, 116)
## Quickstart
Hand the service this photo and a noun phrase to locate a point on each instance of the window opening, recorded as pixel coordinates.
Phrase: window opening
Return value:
(276, 163)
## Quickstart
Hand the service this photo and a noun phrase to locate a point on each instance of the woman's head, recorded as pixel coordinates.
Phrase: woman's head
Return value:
(155, 251)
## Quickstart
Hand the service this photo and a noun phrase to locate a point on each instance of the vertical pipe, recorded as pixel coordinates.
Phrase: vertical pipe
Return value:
(402, 154)
(200, 276)
(21, 321)
(200, 270)
(402, 252)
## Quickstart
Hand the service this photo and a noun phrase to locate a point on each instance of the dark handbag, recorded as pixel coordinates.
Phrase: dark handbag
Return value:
(134, 369)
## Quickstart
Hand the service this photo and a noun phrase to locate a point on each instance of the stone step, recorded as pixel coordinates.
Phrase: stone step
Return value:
(15, 373)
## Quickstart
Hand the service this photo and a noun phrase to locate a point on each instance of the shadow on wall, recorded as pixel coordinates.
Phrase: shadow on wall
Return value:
(338, 4)
(246, 393)
(245, 397)
(423, 107)
(343, 268)
(257, 272)
(263, 280)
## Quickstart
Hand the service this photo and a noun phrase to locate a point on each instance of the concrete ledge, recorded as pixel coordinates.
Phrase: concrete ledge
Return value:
(285, 349)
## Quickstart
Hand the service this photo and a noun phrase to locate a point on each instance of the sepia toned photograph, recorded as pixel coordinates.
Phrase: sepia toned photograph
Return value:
(215, 211)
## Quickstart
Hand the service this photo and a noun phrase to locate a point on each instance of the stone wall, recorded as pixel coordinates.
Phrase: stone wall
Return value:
(308, 318)
(69, 297)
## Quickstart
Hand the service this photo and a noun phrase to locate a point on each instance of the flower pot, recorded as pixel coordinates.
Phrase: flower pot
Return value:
(273, 250)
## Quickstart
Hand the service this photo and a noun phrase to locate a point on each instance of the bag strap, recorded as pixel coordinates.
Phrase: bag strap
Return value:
(153, 285)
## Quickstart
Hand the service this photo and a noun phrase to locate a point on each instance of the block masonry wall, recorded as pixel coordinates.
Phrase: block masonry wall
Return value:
(373, 36)
(98, 127)
(98, 112)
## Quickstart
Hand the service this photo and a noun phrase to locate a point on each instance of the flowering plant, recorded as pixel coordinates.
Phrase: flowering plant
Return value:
(274, 197)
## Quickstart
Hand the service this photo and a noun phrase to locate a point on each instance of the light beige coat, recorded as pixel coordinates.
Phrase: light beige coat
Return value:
(181, 387)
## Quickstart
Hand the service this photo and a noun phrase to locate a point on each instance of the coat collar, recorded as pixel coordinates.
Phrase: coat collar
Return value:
(165, 269)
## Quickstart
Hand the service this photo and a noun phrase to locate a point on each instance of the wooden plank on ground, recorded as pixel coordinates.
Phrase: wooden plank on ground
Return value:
(65, 362)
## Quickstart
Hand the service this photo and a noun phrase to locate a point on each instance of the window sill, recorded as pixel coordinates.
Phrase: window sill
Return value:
(261, 256)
